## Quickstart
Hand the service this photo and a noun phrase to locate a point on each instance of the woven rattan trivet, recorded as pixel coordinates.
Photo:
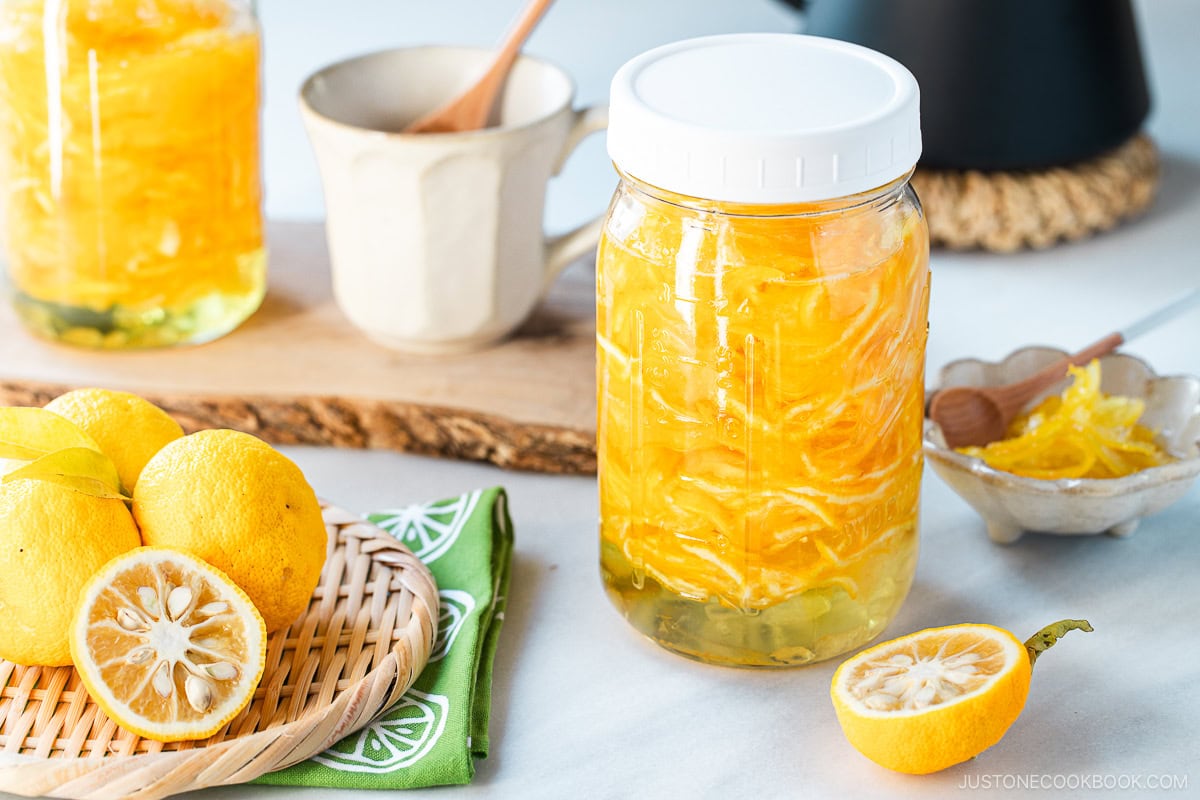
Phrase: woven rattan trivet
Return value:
(1007, 211)
(367, 635)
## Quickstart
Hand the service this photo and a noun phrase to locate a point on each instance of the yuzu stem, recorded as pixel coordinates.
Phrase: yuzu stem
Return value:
(1047, 637)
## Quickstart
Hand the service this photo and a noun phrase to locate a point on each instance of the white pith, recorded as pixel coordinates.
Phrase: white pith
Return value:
(898, 681)
(173, 643)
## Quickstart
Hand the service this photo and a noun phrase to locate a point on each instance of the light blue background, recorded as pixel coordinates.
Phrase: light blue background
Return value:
(590, 39)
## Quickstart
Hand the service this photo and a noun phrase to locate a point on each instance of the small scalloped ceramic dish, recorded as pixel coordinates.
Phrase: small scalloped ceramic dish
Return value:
(1012, 504)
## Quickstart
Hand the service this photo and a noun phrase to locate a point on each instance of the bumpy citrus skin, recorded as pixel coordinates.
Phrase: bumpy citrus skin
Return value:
(52, 540)
(939, 736)
(128, 429)
(242, 506)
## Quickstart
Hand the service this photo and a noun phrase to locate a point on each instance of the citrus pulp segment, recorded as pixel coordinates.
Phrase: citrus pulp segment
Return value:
(934, 698)
(167, 645)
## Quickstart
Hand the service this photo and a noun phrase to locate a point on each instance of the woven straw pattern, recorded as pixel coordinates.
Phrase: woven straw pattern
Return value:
(365, 638)
(1008, 211)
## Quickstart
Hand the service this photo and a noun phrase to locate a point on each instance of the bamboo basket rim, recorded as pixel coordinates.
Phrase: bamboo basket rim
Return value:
(366, 636)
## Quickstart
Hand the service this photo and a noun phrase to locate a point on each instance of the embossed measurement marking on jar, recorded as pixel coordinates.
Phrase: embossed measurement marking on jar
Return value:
(875, 520)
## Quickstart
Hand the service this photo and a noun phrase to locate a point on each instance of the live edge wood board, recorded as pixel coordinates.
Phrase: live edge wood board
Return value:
(299, 373)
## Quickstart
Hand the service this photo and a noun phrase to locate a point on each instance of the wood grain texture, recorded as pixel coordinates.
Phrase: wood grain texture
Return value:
(299, 373)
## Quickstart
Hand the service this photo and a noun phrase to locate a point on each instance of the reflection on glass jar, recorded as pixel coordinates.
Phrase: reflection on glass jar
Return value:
(760, 367)
(129, 168)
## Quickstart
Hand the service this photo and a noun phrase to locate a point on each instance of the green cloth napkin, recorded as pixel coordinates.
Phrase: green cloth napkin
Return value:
(433, 735)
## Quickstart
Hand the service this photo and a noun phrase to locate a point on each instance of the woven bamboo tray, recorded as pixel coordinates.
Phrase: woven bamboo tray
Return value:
(365, 638)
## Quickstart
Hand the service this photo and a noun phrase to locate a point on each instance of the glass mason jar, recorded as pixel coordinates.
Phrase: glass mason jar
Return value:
(130, 193)
(760, 343)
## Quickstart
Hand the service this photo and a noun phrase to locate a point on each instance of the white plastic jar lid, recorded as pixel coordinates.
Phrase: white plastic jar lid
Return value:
(764, 118)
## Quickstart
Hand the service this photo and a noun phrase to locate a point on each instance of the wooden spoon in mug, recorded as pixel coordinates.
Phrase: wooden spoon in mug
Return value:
(469, 111)
(978, 415)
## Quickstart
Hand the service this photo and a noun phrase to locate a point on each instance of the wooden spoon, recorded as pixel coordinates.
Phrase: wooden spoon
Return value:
(977, 415)
(469, 111)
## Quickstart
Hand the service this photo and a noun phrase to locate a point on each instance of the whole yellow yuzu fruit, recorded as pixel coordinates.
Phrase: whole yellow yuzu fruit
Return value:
(52, 540)
(242, 506)
(128, 428)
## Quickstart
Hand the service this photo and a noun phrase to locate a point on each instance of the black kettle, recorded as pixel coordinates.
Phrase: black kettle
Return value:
(1006, 84)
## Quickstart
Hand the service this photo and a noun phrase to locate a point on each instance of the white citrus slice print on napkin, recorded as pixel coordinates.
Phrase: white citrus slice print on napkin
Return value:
(428, 530)
(456, 607)
(399, 739)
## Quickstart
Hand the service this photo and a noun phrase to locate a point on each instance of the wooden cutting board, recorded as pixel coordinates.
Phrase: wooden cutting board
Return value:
(299, 373)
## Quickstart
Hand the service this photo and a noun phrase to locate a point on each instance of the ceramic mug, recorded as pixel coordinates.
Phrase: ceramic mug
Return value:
(436, 239)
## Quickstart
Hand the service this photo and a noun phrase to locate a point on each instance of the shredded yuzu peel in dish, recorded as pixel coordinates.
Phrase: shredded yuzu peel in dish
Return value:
(1083, 433)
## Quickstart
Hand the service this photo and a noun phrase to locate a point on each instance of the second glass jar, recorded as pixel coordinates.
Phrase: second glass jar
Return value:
(129, 155)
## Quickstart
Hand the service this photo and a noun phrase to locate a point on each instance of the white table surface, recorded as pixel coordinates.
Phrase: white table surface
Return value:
(584, 707)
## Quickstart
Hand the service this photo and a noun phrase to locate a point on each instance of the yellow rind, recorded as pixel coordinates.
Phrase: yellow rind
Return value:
(54, 539)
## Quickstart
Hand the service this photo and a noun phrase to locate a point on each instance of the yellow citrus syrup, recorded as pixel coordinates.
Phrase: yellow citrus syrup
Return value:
(760, 421)
(129, 166)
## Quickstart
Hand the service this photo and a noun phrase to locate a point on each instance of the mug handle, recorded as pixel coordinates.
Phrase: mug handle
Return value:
(564, 248)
